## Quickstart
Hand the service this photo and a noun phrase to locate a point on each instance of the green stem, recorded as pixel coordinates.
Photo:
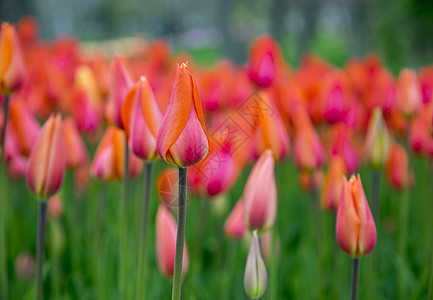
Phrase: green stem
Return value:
(145, 213)
(123, 234)
(318, 236)
(97, 237)
(40, 247)
(180, 238)
(3, 205)
(355, 278)
(376, 195)
(371, 261)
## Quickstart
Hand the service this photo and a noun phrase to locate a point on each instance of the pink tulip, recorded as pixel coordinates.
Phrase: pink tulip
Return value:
(166, 243)
(355, 228)
(234, 226)
(47, 162)
(260, 194)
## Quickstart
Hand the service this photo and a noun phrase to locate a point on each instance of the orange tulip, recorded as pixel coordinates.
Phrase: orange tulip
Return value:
(396, 169)
(141, 119)
(24, 124)
(331, 190)
(76, 153)
(409, 94)
(47, 162)
(12, 69)
(355, 228)
(120, 83)
(260, 194)
(166, 243)
(234, 226)
(167, 187)
(182, 139)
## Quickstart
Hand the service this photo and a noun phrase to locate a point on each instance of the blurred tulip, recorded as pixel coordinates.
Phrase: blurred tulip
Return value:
(55, 207)
(342, 144)
(234, 227)
(264, 60)
(24, 266)
(426, 80)
(182, 139)
(108, 163)
(377, 141)
(331, 190)
(397, 172)
(255, 276)
(141, 119)
(167, 186)
(266, 246)
(166, 243)
(409, 95)
(260, 194)
(76, 153)
(24, 124)
(332, 97)
(12, 69)
(310, 180)
(120, 83)
(47, 162)
(355, 228)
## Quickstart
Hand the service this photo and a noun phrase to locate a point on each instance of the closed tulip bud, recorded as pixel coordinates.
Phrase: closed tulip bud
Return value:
(47, 162)
(234, 227)
(397, 172)
(260, 194)
(120, 83)
(264, 60)
(76, 153)
(12, 69)
(255, 276)
(55, 207)
(182, 139)
(331, 190)
(377, 141)
(141, 119)
(409, 94)
(355, 228)
(271, 131)
(166, 243)
(24, 124)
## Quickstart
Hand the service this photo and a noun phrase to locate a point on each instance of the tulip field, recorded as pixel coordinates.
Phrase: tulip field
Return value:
(146, 175)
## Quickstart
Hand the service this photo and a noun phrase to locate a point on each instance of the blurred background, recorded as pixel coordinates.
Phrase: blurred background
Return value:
(399, 31)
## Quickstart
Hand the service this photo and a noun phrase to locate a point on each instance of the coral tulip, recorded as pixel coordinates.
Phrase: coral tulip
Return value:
(76, 153)
(141, 119)
(355, 228)
(333, 183)
(182, 139)
(234, 226)
(397, 172)
(166, 242)
(409, 94)
(47, 162)
(255, 276)
(12, 69)
(120, 83)
(260, 194)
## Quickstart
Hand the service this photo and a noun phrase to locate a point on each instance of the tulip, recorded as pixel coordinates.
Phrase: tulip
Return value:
(47, 162)
(141, 118)
(166, 243)
(24, 266)
(76, 153)
(55, 207)
(255, 276)
(377, 141)
(355, 228)
(332, 97)
(234, 227)
(396, 168)
(12, 69)
(120, 83)
(409, 94)
(182, 139)
(260, 194)
(426, 80)
(264, 61)
(342, 144)
(310, 181)
(167, 187)
(24, 124)
(331, 190)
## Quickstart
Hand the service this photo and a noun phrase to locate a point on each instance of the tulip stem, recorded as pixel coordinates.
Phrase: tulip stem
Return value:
(318, 235)
(355, 278)
(376, 195)
(40, 247)
(180, 238)
(145, 213)
(124, 227)
(3, 203)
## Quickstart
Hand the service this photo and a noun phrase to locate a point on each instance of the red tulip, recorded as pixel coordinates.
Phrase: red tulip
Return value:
(355, 228)
(260, 194)
(234, 226)
(120, 83)
(182, 139)
(12, 69)
(141, 119)
(166, 243)
(47, 162)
